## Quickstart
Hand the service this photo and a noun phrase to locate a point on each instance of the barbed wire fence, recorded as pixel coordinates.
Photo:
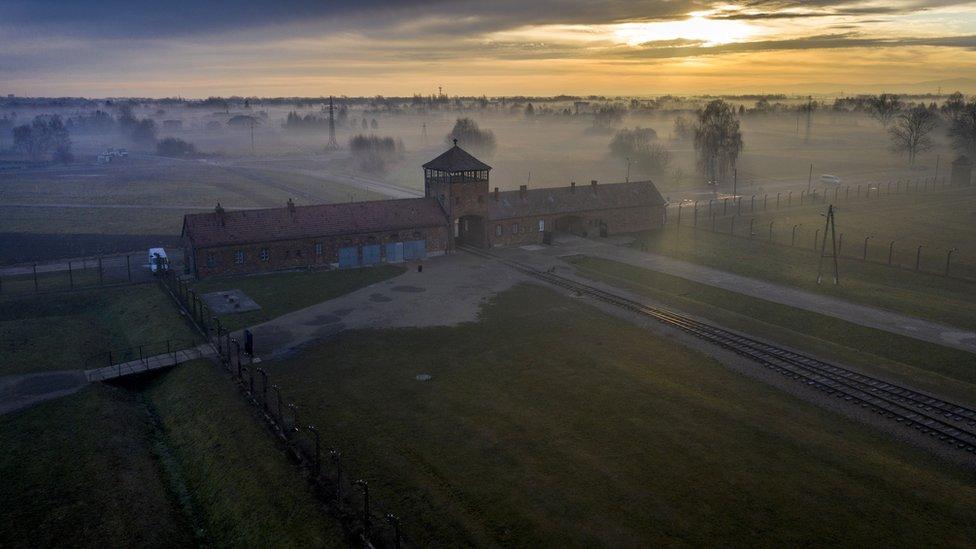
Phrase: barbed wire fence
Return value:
(348, 494)
(739, 217)
(74, 274)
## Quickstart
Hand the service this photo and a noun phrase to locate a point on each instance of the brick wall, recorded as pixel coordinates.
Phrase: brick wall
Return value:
(300, 253)
(617, 221)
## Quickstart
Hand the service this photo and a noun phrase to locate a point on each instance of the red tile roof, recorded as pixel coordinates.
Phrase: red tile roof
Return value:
(323, 220)
(564, 200)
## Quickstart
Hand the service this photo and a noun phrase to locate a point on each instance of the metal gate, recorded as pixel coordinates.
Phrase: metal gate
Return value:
(371, 254)
(348, 257)
(394, 252)
(414, 249)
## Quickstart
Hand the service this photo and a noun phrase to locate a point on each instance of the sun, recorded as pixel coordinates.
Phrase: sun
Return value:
(709, 32)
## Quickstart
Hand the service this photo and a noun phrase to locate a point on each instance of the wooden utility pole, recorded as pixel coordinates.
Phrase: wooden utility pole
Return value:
(828, 227)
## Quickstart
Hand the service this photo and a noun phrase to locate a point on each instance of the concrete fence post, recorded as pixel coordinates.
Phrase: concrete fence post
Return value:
(865, 255)
(918, 258)
(948, 260)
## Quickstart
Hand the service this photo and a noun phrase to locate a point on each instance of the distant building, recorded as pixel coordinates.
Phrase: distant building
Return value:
(112, 155)
(457, 209)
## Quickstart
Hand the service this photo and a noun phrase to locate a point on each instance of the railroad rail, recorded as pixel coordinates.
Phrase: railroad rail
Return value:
(949, 422)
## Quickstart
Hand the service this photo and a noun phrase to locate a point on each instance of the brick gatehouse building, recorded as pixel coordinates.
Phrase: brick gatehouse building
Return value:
(457, 209)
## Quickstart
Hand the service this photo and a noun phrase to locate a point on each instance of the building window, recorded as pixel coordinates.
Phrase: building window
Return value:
(499, 230)
(542, 225)
(318, 248)
(265, 254)
(239, 257)
(514, 228)
(211, 260)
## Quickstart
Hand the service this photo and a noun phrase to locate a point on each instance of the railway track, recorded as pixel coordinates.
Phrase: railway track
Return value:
(949, 422)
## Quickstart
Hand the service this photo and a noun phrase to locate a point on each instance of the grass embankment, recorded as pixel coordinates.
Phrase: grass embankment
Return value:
(57, 331)
(243, 487)
(926, 365)
(177, 461)
(930, 296)
(548, 422)
(281, 293)
(81, 471)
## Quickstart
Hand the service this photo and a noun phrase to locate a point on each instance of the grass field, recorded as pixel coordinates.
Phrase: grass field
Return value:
(280, 293)
(548, 422)
(81, 471)
(101, 198)
(57, 331)
(927, 366)
(149, 466)
(924, 295)
(937, 221)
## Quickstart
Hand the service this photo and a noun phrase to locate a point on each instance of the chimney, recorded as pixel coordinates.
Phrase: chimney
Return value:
(291, 206)
(593, 185)
(496, 194)
(572, 187)
(219, 210)
(522, 190)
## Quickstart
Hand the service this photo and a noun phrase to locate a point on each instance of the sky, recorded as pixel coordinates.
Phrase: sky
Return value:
(196, 48)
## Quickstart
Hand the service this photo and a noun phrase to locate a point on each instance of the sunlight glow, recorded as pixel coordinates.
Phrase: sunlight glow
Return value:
(710, 32)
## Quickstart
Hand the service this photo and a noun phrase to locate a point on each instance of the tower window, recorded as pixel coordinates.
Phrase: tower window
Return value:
(542, 225)
(239, 257)
(265, 254)
(499, 230)
(514, 228)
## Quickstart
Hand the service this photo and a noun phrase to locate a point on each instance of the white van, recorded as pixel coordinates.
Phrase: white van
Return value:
(158, 260)
(829, 180)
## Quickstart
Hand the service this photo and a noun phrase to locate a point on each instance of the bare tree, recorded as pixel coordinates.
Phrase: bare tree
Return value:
(910, 134)
(884, 107)
(962, 131)
(718, 141)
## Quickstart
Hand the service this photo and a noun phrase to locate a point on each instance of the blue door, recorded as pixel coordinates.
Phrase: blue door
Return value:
(394, 252)
(371, 254)
(414, 249)
(348, 257)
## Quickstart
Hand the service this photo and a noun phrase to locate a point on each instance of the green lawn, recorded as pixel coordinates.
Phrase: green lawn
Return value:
(925, 365)
(280, 293)
(81, 471)
(246, 491)
(548, 422)
(930, 296)
(177, 460)
(58, 331)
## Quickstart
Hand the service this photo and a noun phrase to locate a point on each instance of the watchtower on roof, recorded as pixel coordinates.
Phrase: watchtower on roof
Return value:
(455, 165)
(459, 182)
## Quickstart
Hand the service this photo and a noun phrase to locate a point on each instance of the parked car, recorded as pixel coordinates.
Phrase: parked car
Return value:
(158, 262)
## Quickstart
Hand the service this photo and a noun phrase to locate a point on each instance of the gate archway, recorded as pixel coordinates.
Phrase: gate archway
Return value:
(470, 230)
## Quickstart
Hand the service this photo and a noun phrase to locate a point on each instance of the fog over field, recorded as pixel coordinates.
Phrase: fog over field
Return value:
(557, 273)
(260, 152)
